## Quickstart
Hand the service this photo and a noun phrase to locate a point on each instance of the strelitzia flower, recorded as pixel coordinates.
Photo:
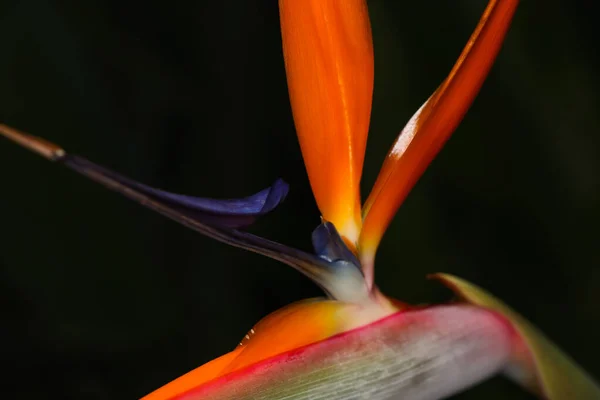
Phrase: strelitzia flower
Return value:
(356, 342)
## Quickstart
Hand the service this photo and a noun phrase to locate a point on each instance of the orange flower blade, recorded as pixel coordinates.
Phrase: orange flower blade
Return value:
(432, 125)
(328, 54)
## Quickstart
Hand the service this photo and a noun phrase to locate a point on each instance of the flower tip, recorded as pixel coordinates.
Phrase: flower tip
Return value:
(276, 194)
(35, 144)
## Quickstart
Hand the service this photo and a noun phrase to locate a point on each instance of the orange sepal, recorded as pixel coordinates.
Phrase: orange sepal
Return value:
(432, 125)
(328, 55)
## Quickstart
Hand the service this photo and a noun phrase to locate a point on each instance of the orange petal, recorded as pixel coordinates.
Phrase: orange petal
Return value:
(198, 376)
(432, 125)
(292, 327)
(329, 64)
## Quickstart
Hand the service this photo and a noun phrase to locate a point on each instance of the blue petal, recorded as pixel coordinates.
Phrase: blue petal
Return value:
(330, 246)
(204, 216)
(219, 219)
(232, 213)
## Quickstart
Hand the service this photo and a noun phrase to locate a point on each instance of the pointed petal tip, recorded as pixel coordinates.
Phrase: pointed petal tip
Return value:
(276, 195)
(35, 144)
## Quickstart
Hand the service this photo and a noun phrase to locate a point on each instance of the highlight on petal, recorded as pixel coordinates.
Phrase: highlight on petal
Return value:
(214, 218)
(423, 354)
(544, 368)
(328, 54)
(430, 127)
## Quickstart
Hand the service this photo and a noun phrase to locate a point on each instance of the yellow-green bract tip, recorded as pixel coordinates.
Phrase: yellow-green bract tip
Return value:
(555, 375)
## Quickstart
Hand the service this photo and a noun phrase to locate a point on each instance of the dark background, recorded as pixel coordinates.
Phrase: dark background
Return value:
(104, 299)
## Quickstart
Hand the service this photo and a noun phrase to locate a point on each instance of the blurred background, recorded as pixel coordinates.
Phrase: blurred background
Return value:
(102, 298)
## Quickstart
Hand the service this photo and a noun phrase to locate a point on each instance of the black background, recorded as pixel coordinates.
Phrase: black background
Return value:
(103, 299)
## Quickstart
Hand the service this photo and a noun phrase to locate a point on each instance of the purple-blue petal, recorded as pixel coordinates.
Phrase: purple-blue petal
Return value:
(257, 204)
(223, 227)
(220, 219)
(231, 213)
(330, 246)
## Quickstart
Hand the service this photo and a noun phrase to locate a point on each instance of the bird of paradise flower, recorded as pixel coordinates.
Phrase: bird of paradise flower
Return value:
(357, 342)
